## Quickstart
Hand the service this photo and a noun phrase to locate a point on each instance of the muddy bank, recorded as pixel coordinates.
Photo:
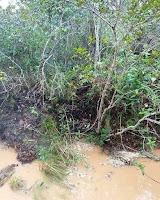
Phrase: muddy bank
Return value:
(91, 180)
(16, 129)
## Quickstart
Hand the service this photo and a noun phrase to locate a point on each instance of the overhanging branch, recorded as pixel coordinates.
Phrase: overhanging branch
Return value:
(137, 124)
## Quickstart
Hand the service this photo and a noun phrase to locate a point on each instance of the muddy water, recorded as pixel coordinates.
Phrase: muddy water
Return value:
(105, 182)
(93, 181)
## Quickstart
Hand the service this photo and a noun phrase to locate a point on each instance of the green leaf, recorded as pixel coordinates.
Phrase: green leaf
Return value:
(79, 4)
(133, 19)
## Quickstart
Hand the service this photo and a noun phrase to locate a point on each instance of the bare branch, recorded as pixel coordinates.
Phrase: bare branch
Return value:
(135, 126)
(153, 121)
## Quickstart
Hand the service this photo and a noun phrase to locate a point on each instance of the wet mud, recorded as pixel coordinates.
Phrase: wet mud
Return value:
(91, 179)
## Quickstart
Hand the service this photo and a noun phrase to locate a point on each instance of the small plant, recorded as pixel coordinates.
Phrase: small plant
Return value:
(33, 111)
(99, 139)
(144, 112)
(16, 183)
(3, 76)
(151, 142)
(103, 135)
(140, 166)
(91, 138)
(44, 154)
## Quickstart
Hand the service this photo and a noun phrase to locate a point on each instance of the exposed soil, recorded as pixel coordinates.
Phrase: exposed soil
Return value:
(19, 128)
(16, 129)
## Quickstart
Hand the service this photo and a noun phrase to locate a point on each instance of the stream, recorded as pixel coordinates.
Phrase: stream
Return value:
(92, 181)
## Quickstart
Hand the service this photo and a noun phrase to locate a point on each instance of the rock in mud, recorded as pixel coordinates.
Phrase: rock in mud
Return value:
(6, 173)
(108, 175)
(121, 158)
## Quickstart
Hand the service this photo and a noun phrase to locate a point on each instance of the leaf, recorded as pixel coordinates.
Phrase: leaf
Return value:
(83, 53)
(135, 162)
(104, 41)
(74, 56)
(79, 4)
(133, 19)
(153, 79)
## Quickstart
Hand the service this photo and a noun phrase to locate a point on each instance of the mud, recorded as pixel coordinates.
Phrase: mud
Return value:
(106, 182)
(16, 129)
(88, 181)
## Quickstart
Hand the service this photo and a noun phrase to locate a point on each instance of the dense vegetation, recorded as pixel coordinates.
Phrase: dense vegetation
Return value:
(87, 67)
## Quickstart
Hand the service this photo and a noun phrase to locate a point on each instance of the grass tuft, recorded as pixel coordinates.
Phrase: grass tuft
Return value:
(16, 183)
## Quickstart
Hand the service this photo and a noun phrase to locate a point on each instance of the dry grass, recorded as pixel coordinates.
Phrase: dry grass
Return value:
(54, 169)
(16, 183)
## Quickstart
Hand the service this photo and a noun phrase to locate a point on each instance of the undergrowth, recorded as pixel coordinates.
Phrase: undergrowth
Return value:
(55, 151)
(56, 64)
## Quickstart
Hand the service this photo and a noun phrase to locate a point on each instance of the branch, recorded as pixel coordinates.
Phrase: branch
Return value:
(153, 121)
(112, 103)
(20, 68)
(107, 84)
(135, 126)
(98, 15)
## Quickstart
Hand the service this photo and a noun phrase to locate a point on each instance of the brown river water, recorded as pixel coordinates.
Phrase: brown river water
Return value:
(85, 182)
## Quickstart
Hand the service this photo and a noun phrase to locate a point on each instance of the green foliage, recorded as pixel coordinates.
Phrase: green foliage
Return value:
(145, 112)
(54, 150)
(139, 81)
(48, 51)
(3, 76)
(140, 166)
(151, 142)
(98, 139)
(129, 122)
(33, 111)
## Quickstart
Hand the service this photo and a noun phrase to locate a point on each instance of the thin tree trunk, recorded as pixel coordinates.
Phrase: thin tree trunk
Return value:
(97, 51)
(107, 84)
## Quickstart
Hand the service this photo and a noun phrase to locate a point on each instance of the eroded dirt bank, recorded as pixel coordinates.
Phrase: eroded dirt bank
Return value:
(94, 181)
(16, 129)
